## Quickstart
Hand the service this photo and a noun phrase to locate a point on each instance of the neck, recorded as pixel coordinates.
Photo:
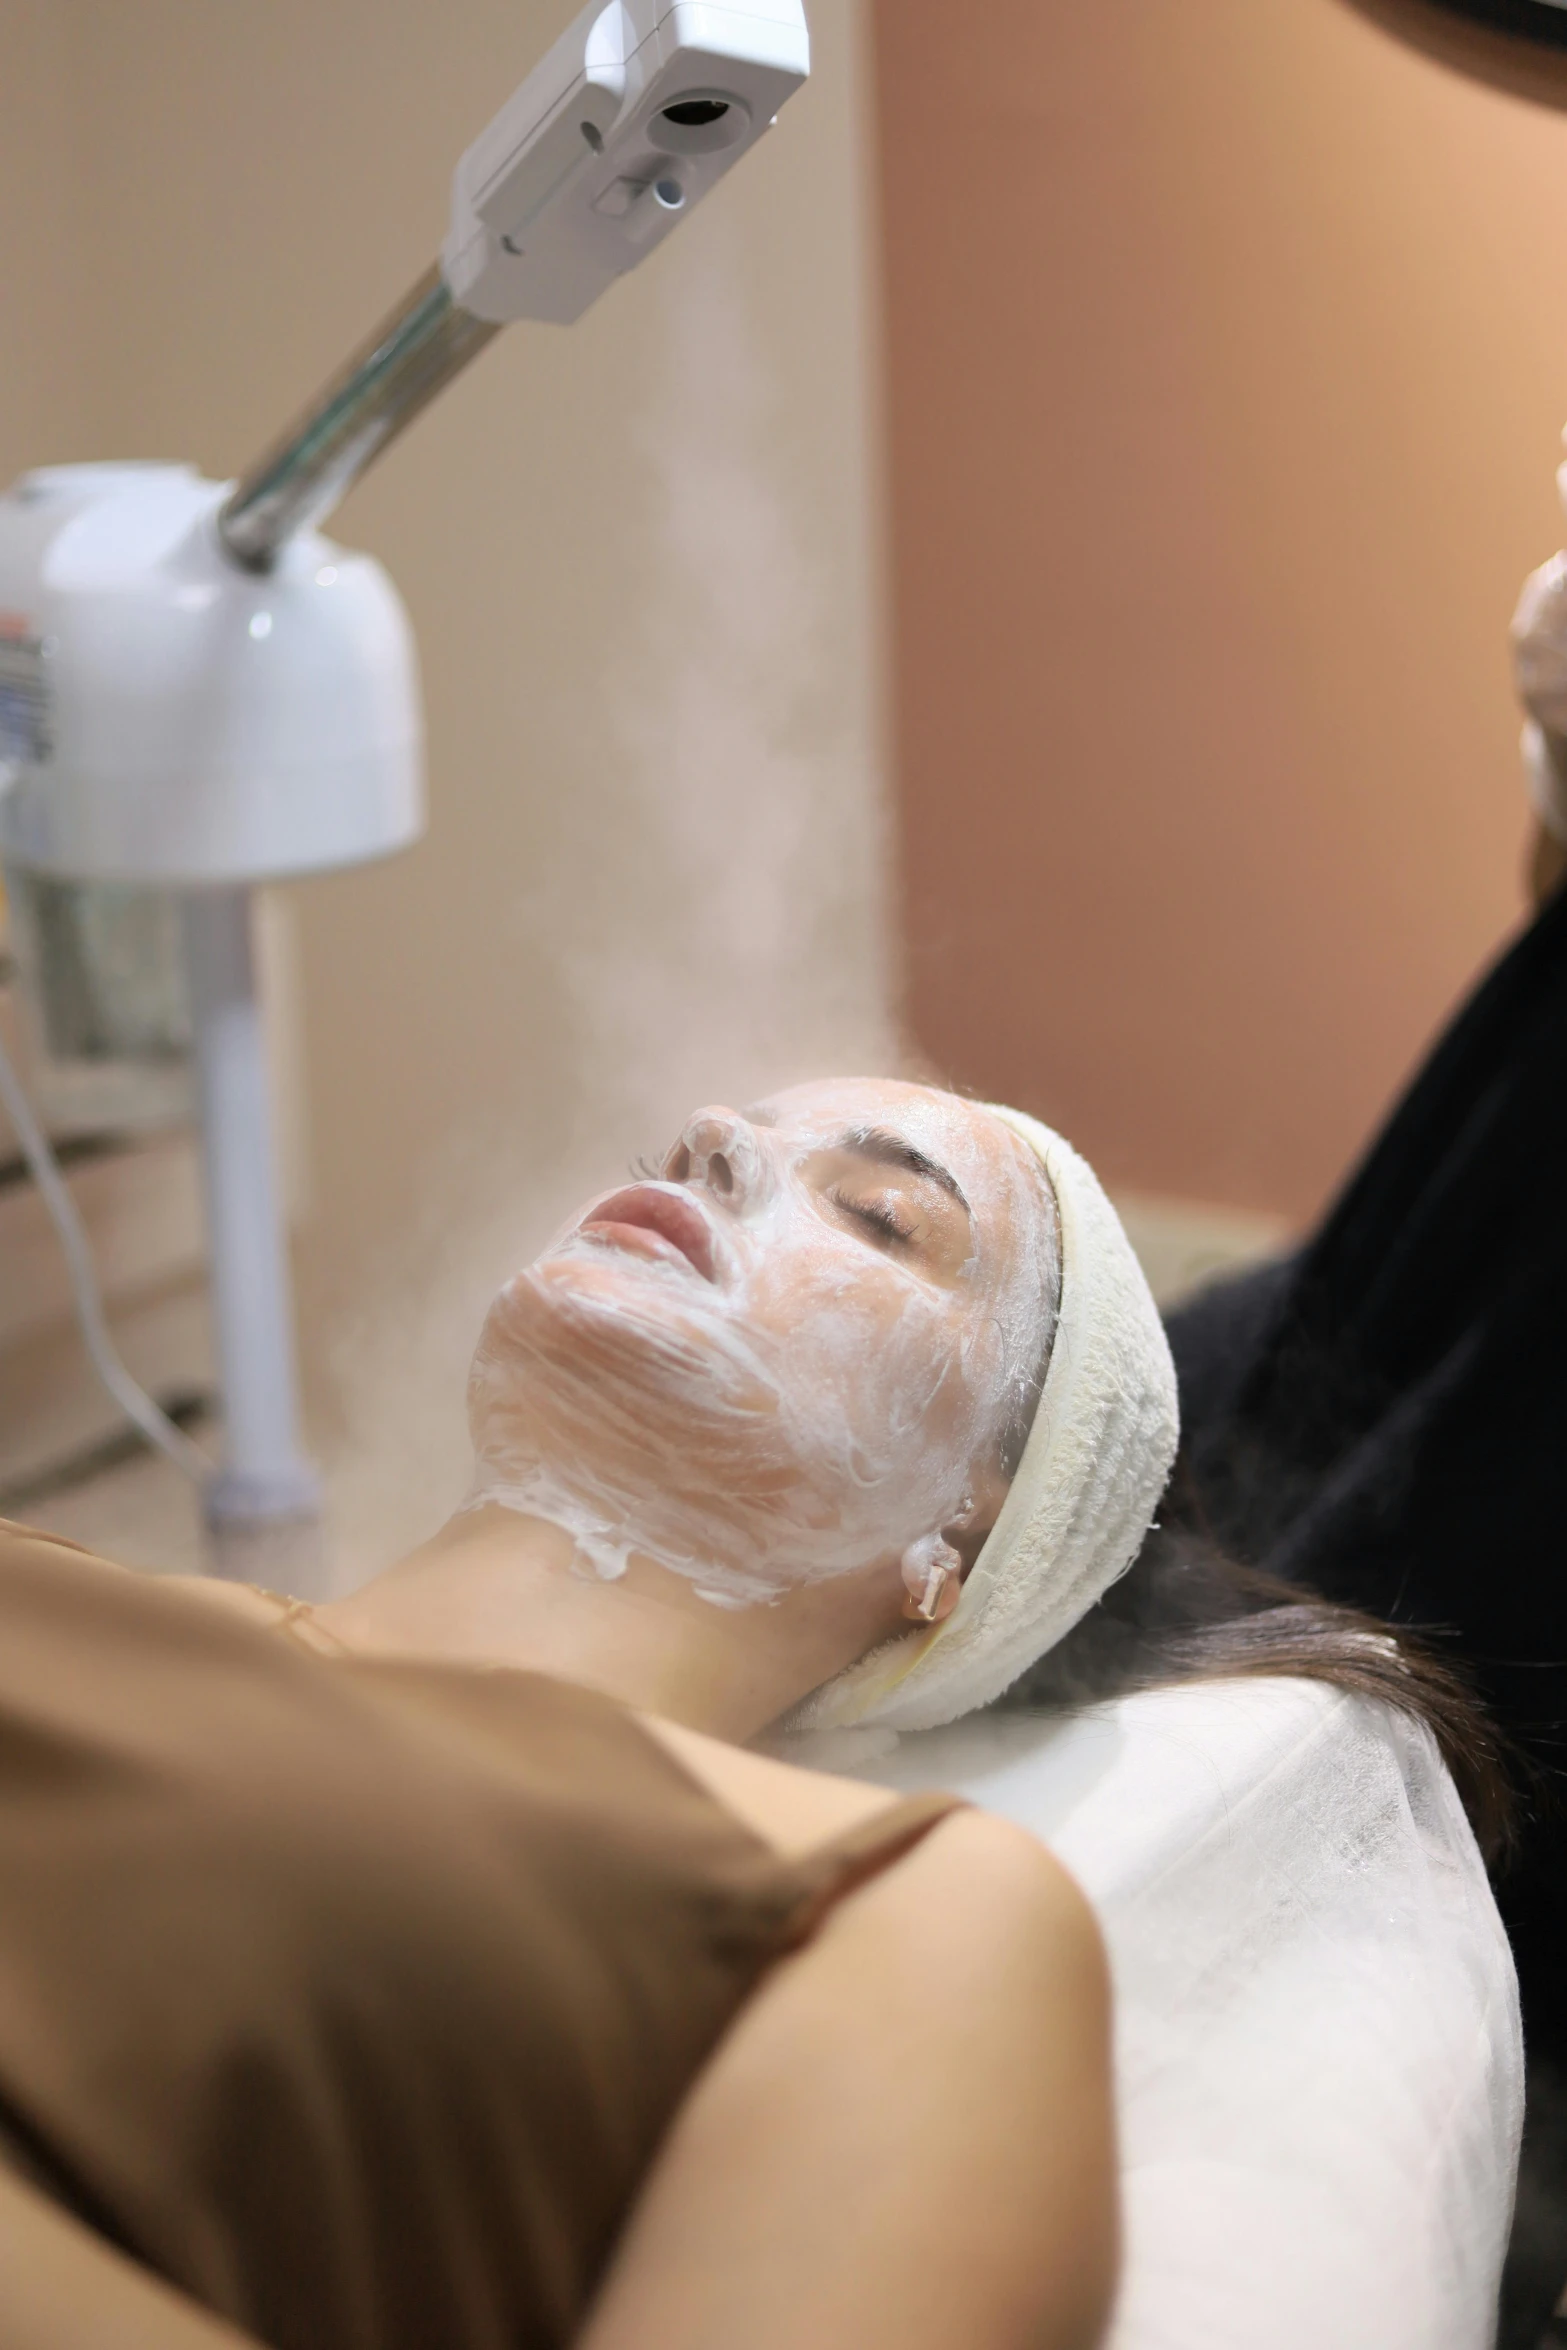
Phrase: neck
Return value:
(495, 1588)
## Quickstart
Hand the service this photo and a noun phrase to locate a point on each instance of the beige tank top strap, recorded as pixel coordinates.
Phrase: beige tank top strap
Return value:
(832, 1871)
(296, 1620)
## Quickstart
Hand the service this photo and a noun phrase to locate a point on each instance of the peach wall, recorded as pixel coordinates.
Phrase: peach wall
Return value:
(1227, 352)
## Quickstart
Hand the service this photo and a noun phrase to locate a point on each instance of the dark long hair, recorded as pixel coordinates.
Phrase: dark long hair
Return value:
(1188, 1612)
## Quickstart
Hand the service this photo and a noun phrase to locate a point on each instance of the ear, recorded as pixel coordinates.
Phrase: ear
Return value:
(935, 1569)
(970, 1529)
(932, 1580)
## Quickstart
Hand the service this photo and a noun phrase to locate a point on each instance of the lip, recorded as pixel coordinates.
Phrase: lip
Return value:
(658, 1221)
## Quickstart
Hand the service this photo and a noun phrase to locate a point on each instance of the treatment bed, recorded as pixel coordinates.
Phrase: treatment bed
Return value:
(1320, 2068)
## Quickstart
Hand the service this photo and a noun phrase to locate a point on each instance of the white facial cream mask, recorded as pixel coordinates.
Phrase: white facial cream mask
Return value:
(780, 1361)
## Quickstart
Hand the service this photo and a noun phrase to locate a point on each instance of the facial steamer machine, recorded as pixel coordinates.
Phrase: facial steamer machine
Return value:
(200, 694)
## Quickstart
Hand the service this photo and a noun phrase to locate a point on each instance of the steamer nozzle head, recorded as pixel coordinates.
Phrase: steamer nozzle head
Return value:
(635, 113)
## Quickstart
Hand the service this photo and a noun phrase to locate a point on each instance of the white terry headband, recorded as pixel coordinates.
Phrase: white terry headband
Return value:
(1096, 1461)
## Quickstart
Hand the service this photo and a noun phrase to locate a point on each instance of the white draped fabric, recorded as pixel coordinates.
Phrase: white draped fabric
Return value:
(1320, 2070)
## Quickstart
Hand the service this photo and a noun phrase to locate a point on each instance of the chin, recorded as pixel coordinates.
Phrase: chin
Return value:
(599, 1284)
(585, 1297)
(586, 1343)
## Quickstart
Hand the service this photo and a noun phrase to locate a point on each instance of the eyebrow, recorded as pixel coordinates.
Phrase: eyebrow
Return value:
(894, 1150)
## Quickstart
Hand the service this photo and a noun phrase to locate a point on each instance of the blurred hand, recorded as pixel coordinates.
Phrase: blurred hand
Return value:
(1540, 645)
(1547, 867)
(1539, 634)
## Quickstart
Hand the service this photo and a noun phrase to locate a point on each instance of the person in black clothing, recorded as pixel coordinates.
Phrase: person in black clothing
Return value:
(1381, 1418)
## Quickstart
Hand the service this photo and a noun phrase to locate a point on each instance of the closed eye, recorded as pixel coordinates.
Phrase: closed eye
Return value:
(876, 1216)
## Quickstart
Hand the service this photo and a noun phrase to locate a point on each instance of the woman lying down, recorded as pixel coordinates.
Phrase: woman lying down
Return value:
(437, 1968)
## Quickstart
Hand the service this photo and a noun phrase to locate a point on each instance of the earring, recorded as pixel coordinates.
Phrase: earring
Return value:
(930, 1566)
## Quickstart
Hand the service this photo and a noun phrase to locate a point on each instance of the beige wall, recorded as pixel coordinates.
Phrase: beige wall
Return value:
(1227, 357)
(43, 398)
(639, 560)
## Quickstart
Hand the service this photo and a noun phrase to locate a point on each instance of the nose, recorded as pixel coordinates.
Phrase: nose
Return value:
(719, 1149)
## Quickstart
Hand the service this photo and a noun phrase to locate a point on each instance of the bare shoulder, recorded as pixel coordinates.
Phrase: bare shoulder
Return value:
(21, 1540)
(998, 1860)
(982, 1885)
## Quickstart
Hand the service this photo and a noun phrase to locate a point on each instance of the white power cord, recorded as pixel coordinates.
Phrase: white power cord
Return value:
(133, 1400)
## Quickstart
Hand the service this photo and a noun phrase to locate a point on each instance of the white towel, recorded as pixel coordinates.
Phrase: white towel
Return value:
(1086, 1488)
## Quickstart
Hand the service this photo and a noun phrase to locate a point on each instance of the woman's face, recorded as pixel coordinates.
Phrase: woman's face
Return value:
(793, 1353)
